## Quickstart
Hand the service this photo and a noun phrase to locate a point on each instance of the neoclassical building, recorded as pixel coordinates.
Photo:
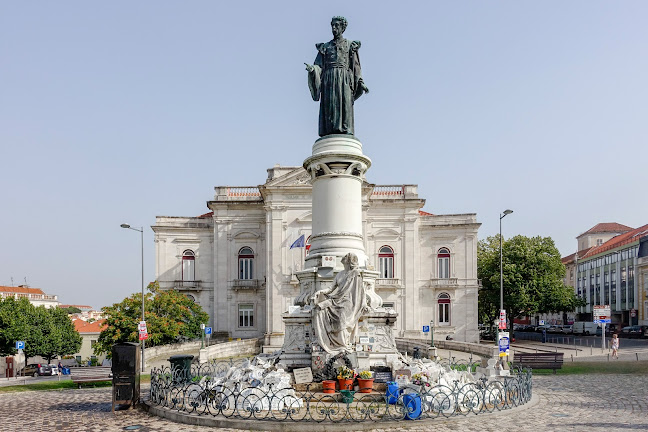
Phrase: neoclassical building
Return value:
(237, 260)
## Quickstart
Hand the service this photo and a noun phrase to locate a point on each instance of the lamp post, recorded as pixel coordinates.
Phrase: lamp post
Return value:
(502, 216)
(141, 231)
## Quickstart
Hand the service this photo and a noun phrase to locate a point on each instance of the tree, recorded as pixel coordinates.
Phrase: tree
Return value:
(47, 332)
(170, 316)
(532, 278)
(71, 310)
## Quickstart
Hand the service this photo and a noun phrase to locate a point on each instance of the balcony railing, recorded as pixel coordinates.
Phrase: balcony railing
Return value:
(388, 191)
(245, 284)
(444, 282)
(392, 283)
(194, 285)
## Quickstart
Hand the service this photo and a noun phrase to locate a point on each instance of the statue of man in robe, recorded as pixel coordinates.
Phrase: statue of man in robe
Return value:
(335, 79)
(337, 310)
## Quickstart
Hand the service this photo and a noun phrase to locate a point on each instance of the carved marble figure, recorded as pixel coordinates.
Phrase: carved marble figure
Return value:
(335, 79)
(336, 310)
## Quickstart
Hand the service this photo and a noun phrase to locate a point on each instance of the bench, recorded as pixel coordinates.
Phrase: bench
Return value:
(90, 374)
(539, 360)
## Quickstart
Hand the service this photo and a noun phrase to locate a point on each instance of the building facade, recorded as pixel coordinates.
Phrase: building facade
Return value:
(607, 274)
(237, 262)
(36, 296)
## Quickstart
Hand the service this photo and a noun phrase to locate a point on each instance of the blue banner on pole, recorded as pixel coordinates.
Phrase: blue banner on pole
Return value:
(299, 242)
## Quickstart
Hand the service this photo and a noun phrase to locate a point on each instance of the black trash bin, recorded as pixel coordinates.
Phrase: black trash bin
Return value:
(417, 353)
(181, 367)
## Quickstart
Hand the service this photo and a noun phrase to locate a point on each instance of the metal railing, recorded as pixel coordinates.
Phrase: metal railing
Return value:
(200, 392)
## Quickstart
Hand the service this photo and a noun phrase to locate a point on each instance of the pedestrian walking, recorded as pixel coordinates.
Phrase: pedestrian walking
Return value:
(615, 346)
(60, 368)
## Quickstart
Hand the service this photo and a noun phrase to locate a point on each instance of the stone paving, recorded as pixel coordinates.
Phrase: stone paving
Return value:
(562, 403)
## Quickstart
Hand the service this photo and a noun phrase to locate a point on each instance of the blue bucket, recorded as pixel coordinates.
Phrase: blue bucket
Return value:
(412, 404)
(392, 392)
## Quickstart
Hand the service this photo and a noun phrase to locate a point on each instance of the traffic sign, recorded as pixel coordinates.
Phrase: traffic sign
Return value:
(633, 313)
(602, 314)
(142, 325)
(208, 330)
(20, 345)
(502, 320)
(143, 336)
(426, 329)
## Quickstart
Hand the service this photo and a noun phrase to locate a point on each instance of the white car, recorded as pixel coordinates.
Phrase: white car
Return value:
(568, 329)
(55, 370)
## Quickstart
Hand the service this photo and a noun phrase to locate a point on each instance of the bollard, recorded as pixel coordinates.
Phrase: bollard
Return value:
(572, 356)
(637, 354)
(591, 351)
(608, 357)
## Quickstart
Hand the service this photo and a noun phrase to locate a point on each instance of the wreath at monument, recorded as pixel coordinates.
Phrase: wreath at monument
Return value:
(330, 370)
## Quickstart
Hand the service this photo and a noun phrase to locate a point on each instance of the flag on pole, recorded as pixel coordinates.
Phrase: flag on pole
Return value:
(299, 243)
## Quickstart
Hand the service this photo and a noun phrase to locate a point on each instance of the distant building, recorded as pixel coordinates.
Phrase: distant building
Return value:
(90, 335)
(604, 270)
(87, 312)
(36, 296)
(236, 261)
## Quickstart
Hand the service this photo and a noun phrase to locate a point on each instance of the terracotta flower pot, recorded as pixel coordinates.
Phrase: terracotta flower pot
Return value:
(328, 386)
(366, 385)
(345, 384)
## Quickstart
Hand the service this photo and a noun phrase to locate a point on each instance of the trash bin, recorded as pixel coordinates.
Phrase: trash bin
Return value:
(181, 367)
(417, 353)
(412, 403)
(392, 392)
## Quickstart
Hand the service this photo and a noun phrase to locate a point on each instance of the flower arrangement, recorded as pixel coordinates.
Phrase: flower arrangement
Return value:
(344, 372)
(365, 374)
(421, 379)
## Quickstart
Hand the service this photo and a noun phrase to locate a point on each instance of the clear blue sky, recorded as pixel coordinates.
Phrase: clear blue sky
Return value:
(114, 112)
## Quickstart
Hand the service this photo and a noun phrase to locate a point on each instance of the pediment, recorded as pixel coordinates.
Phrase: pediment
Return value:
(386, 233)
(244, 234)
(295, 178)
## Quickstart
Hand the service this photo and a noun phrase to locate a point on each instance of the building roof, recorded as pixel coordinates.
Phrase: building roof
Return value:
(570, 258)
(618, 241)
(206, 215)
(76, 306)
(607, 227)
(21, 290)
(424, 213)
(86, 327)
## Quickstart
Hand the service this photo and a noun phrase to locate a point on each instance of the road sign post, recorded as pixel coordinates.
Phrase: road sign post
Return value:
(602, 316)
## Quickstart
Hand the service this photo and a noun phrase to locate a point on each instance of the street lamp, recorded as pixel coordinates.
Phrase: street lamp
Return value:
(141, 231)
(502, 216)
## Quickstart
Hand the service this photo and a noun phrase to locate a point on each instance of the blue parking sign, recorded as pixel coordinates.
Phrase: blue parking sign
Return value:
(20, 344)
(426, 329)
(208, 330)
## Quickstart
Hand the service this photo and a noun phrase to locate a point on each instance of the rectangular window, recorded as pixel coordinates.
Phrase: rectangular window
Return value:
(623, 286)
(606, 287)
(444, 267)
(444, 314)
(93, 342)
(631, 286)
(388, 305)
(613, 282)
(246, 315)
(387, 267)
(188, 270)
(245, 268)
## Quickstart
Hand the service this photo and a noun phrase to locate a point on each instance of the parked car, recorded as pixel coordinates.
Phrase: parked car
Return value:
(37, 370)
(554, 329)
(540, 328)
(585, 327)
(635, 331)
(54, 369)
(568, 329)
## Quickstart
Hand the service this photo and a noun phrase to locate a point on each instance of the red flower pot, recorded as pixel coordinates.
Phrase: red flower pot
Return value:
(366, 385)
(345, 384)
(328, 386)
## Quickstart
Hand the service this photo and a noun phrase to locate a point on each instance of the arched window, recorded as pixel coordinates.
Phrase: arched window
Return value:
(443, 257)
(188, 266)
(443, 301)
(386, 262)
(246, 263)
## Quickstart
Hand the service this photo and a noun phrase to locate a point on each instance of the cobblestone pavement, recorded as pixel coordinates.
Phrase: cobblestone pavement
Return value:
(565, 403)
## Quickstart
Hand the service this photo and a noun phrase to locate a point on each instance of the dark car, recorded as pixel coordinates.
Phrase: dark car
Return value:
(37, 370)
(635, 331)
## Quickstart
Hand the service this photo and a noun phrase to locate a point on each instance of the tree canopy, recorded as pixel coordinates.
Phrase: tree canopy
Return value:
(170, 316)
(47, 333)
(532, 278)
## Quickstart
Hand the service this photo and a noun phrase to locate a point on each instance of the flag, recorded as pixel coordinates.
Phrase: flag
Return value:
(298, 243)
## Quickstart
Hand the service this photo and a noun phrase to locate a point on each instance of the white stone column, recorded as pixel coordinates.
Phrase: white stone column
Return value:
(337, 169)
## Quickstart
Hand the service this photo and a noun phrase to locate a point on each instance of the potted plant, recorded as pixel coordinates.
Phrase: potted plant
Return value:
(345, 377)
(365, 381)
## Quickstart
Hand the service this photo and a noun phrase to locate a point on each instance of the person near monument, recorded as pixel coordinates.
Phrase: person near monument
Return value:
(337, 310)
(335, 79)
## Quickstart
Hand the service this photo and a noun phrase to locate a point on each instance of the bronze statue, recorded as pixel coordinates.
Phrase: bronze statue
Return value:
(336, 81)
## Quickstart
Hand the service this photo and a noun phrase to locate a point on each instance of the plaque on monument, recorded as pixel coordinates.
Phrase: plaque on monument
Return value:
(381, 374)
(303, 375)
(364, 339)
